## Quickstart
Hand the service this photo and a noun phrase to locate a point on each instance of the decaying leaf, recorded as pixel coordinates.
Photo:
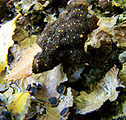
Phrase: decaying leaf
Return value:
(120, 34)
(24, 67)
(39, 6)
(20, 35)
(103, 33)
(105, 90)
(106, 23)
(19, 105)
(25, 5)
(2, 76)
(107, 32)
(18, 50)
(6, 32)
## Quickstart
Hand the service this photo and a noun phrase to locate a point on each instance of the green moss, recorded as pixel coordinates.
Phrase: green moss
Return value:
(121, 2)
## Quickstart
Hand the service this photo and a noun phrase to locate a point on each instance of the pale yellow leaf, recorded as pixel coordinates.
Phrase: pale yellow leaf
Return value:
(19, 105)
(107, 32)
(107, 23)
(105, 90)
(6, 32)
(24, 67)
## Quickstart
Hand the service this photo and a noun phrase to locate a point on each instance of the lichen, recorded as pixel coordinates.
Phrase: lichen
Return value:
(64, 38)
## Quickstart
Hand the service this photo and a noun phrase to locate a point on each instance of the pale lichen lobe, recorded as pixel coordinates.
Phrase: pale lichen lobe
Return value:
(62, 41)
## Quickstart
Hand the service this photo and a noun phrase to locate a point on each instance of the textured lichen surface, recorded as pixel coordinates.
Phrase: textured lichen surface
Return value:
(67, 60)
(62, 41)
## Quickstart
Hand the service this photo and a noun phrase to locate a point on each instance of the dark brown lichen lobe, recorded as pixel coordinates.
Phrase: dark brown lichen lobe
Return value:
(62, 38)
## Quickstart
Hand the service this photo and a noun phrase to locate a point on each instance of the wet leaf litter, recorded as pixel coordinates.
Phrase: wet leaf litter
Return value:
(55, 66)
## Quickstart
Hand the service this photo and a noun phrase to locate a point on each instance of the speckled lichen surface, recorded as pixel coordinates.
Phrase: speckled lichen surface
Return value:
(62, 41)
